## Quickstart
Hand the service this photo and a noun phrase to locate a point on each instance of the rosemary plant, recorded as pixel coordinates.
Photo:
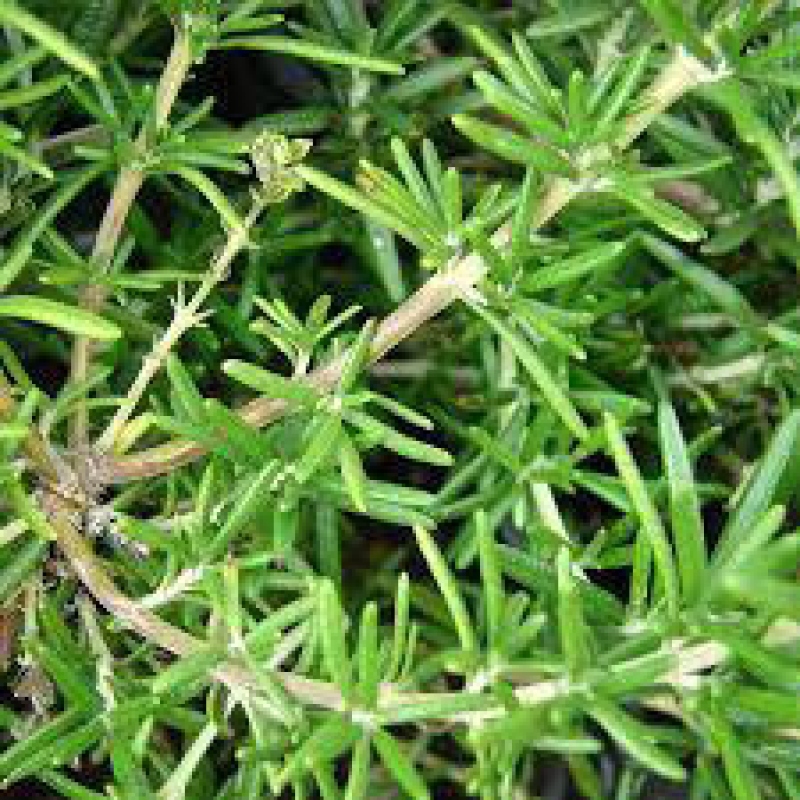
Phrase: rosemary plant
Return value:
(399, 399)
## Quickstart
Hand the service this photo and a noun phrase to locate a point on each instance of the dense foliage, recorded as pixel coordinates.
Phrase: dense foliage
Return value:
(399, 398)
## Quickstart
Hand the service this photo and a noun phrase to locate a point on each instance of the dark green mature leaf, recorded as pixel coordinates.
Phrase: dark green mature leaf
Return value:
(492, 579)
(573, 633)
(55, 744)
(314, 52)
(512, 147)
(721, 292)
(358, 201)
(666, 216)
(739, 773)
(358, 780)
(546, 383)
(585, 264)
(268, 383)
(334, 644)
(447, 586)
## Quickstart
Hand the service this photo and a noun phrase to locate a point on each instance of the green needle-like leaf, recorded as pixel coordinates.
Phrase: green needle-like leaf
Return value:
(334, 643)
(355, 478)
(14, 15)
(762, 488)
(552, 392)
(589, 263)
(324, 439)
(400, 766)
(270, 384)
(511, 146)
(572, 629)
(651, 526)
(447, 586)
(740, 776)
(687, 524)
(200, 181)
(634, 737)
(368, 656)
(722, 293)
(313, 52)
(492, 579)
(358, 781)
(69, 319)
(358, 201)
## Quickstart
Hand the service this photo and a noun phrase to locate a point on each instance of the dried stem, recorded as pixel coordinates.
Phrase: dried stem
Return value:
(126, 189)
(681, 74)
